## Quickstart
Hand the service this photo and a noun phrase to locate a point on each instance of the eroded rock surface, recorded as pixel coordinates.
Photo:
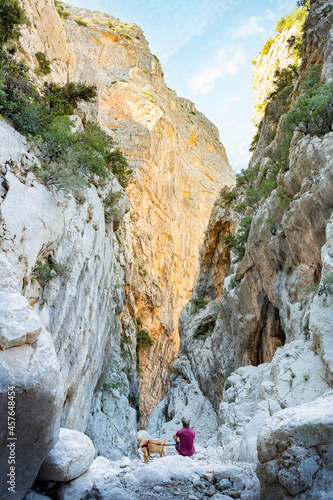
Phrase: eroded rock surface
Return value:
(295, 452)
(31, 390)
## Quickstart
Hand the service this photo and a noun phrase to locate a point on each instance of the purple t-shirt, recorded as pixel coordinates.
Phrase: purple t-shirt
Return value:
(186, 438)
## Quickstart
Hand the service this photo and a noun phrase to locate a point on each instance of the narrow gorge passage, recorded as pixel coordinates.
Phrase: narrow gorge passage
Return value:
(143, 280)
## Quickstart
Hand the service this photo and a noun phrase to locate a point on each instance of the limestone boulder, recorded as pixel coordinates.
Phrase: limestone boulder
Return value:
(31, 389)
(71, 456)
(295, 450)
(99, 481)
(253, 394)
(18, 324)
(34, 495)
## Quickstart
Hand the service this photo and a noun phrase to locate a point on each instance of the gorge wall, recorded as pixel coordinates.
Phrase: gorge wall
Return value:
(76, 334)
(257, 342)
(178, 164)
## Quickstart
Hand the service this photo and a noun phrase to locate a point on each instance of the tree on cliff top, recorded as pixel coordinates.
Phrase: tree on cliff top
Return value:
(11, 16)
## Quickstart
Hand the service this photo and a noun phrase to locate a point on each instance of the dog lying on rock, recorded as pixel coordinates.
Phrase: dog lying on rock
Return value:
(152, 446)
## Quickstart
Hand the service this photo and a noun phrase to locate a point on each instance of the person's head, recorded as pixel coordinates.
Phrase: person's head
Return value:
(185, 422)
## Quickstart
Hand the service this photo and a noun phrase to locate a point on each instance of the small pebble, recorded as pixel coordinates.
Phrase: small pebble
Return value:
(177, 493)
(211, 492)
(233, 494)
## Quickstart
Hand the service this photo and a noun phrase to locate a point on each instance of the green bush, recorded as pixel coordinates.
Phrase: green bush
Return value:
(44, 272)
(203, 331)
(313, 112)
(60, 9)
(325, 287)
(143, 339)
(80, 22)
(72, 158)
(198, 304)
(227, 195)
(254, 142)
(11, 17)
(64, 99)
(44, 64)
(110, 206)
(286, 22)
(241, 237)
(271, 222)
(326, 10)
(267, 46)
(233, 366)
(229, 240)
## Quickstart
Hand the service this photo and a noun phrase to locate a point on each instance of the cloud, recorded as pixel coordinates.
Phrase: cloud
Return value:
(226, 103)
(227, 61)
(251, 27)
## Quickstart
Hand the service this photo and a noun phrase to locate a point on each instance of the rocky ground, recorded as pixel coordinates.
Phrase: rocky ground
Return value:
(69, 472)
(200, 477)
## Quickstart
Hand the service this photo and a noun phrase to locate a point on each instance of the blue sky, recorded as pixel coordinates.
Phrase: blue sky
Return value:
(206, 48)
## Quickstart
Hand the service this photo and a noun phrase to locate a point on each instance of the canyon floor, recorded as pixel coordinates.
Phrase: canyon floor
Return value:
(202, 476)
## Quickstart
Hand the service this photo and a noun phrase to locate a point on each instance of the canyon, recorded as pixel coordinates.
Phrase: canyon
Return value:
(237, 330)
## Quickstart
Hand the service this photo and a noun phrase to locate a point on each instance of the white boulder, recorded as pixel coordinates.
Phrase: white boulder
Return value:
(295, 376)
(99, 481)
(34, 495)
(31, 390)
(69, 458)
(295, 450)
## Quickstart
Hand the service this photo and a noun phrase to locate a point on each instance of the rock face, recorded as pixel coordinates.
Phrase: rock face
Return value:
(31, 392)
(268, 65)
(261, 315)
(46, 34)
(295, 452)
(80, 310)
(179, 167)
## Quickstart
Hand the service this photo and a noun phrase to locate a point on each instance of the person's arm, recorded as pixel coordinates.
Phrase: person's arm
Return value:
(175, 438)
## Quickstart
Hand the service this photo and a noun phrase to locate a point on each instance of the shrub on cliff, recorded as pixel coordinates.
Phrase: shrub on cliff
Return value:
(11, 17)
(313, 112)
(44, 64)
(297, 15)
(143, 339)
(267, 46)
(63, 99)
(239, 243)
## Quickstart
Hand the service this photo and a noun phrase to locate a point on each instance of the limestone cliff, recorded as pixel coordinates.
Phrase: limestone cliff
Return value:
(179, 167)
(113, 279)
(262, 317)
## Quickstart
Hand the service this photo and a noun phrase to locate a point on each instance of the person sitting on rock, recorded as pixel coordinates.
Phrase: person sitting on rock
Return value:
(184, 438)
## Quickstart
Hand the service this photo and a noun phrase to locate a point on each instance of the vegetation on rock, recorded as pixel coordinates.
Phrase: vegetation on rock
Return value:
(70, 158)
(60, 9)
(198, 304)
(11, 17)
(44, 65)
(44, 272)
(143, 339)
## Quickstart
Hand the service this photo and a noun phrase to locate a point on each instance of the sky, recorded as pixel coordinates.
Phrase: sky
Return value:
(206, 48)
